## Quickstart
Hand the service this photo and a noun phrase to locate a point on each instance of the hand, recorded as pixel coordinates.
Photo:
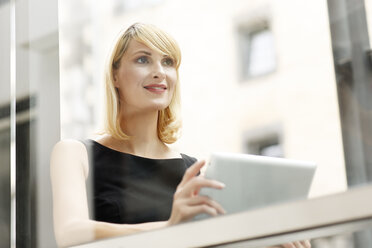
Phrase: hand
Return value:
(296, 244)
(187, 202)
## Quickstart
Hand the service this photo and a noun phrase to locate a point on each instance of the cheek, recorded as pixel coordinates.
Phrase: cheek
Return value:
(127, 82)
(172, 76)
(127, 76)
(131, 75)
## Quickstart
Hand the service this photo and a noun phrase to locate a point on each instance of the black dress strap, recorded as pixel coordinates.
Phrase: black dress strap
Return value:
(188, 160)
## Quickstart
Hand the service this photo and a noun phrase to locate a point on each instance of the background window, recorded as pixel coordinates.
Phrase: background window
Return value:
(271, 149)
(256, 51)
(264, 141)
(265, 147)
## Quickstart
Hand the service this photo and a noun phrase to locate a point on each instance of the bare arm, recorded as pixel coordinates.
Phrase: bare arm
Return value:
(69, 171)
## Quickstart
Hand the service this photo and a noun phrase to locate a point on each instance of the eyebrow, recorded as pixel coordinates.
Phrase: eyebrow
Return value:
(147, 53)
(142, 51)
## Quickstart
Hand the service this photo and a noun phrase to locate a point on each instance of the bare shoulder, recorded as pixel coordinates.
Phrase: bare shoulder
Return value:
(104, 139)
(171, 152)
(70, 152)
(70, 147)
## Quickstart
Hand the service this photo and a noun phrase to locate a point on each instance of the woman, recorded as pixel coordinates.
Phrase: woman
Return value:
(142, 91)
(136, 182)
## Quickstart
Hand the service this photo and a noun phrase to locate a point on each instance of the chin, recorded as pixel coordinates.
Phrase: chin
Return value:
(155, 108)
(160, 105)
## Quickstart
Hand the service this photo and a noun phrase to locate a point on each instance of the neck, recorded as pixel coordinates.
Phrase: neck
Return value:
(142, 129)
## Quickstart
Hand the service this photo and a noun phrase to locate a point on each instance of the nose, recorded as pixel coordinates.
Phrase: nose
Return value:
(158, 71)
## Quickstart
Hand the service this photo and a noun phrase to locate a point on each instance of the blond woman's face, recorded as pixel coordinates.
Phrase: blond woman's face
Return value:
(145, 79)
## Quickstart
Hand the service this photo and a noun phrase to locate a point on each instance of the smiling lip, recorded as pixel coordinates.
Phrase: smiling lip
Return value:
(156, 88)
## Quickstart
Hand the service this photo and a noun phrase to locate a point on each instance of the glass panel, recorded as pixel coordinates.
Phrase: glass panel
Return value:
(291, 112)
(5, 212)
(368, 7)
(258, 57)
(5, 186)
(37, 118)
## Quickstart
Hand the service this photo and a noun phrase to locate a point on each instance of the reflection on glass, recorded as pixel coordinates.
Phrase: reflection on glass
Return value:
(5, 180)
(5, 211)
(358, 239)
(339, 241)
(25, 189)
(335, 241)
(36, 118)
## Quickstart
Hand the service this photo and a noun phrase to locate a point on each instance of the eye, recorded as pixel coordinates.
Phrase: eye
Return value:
(142, 60)
(168, 62)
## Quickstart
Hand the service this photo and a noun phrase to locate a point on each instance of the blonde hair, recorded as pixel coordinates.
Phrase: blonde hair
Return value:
(169, 121)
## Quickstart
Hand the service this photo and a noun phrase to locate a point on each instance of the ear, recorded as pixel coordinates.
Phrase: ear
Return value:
(115, 78)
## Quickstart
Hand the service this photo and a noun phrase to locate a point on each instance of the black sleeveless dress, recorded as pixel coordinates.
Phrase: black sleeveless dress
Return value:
(128, 189)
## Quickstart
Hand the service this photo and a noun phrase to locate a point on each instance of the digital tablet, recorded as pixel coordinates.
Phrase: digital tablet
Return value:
(255, 181)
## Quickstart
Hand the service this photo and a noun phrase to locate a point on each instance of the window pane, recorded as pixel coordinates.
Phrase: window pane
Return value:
(261, 53)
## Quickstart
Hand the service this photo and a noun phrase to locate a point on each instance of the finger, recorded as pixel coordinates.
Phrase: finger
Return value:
(199, 200)
(196, 183)
(288, 245)
(306, 243)
(275, 246)
(297, 244)
(196, 192)
(200, 209)
(191, 172)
